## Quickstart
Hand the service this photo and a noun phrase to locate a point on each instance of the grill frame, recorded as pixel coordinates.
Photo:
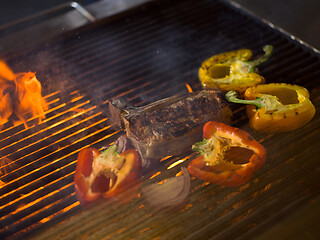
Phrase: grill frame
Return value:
(238, 210)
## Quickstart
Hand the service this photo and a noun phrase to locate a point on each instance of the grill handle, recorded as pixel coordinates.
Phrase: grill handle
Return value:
(33, 30)
(55, 10)
(29, 32)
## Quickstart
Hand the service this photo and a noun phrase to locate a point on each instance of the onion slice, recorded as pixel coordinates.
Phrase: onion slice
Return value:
(173, 193)
(124, 144)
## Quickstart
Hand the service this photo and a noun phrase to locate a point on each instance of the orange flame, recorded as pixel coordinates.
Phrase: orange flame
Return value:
(6, 166)
(5, 107)
(20, 94)
(28, 92)
(6, 72)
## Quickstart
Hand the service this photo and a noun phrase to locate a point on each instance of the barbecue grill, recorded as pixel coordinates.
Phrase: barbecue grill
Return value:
(146, 52)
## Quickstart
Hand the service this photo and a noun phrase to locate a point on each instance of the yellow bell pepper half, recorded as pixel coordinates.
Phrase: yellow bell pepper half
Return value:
(276, 107)
(232, 70)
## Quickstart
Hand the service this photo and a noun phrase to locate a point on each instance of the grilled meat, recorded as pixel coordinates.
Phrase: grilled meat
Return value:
(169, 126)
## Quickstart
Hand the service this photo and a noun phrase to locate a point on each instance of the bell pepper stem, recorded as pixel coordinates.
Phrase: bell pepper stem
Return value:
(268, 49)
(113, 149)
(198, 147)
(232, 96)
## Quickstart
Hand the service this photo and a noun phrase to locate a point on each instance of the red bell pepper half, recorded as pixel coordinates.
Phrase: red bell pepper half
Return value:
(215, 163)
(107, 174)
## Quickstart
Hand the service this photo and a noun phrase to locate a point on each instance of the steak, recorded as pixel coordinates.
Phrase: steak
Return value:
(169, 126)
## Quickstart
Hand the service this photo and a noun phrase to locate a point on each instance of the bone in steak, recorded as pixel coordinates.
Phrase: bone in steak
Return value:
(169, 126)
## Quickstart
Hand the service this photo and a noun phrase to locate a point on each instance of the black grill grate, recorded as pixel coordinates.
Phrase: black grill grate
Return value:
(147, 55)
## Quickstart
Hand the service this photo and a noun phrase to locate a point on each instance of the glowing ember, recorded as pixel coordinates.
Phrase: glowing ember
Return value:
(189, 88)
(20, 94)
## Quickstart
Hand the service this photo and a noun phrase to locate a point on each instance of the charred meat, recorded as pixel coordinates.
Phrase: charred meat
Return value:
(169, 126)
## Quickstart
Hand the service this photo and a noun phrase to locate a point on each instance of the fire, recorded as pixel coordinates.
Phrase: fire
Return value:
(29, 98)
(6, 72)
(5, 107)
(20, 95)
(6, 166)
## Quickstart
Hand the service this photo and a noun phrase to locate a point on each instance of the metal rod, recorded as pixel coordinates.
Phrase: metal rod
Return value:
(80, 9)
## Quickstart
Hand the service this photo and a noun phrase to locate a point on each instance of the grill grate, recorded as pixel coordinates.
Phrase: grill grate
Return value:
(147, 55)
